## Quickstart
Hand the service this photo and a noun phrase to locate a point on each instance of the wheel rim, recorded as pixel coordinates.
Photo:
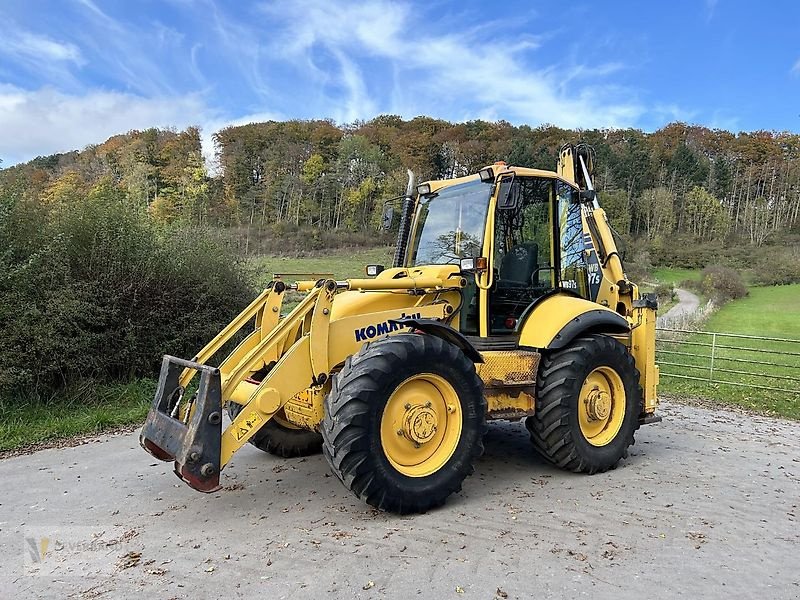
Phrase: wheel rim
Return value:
(421, 425)
(601, 406)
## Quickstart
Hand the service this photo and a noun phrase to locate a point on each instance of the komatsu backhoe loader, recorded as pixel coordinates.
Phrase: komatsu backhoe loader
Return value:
(507, 299)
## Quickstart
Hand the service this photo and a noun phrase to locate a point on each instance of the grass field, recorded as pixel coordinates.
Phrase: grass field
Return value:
(87, 409)
(666, 275)
(341, 264)
(767, 312)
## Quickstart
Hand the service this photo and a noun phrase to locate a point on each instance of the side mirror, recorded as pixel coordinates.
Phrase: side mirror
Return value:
(587, 196)
(505, 199)
(387, 217)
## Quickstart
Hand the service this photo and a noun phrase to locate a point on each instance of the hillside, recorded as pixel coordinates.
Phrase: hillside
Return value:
(708, 185)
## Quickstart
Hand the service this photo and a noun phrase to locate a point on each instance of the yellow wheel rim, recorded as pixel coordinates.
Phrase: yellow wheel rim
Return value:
(421, 425)
(601, 406)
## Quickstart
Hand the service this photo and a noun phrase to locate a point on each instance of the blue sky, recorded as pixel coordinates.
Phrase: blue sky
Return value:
(74, 72)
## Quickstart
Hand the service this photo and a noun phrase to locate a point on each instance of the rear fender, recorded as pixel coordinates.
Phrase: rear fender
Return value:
(554, 321)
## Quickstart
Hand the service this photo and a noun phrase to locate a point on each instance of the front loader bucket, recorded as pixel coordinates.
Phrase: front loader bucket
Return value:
(194, 442)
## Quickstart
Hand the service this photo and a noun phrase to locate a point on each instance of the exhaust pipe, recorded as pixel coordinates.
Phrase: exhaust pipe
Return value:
(404, 230)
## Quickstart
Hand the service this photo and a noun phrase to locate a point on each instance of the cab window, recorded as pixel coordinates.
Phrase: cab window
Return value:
(573, 274)
(523, 252)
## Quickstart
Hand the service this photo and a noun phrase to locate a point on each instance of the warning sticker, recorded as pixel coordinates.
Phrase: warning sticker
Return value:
(244, 427)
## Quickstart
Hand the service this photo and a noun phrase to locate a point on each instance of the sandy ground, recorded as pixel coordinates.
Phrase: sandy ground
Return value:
(705, 507)
(688, 303)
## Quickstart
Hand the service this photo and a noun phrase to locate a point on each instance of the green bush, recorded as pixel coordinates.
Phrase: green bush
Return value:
(92, 288)
(286, 239)
(779, 266)
(685, 252)
(665, 293)
(722, 284)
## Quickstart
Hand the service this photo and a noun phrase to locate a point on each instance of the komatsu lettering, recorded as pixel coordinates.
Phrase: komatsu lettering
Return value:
(382, 328)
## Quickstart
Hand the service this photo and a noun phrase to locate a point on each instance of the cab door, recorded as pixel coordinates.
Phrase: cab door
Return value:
(525, 258)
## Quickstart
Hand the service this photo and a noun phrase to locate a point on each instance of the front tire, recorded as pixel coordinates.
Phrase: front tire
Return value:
(588, 405)
(404, 422)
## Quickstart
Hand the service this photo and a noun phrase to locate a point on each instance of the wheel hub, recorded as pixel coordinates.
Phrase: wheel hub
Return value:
(598, 405)
(420, 423)
(601, 405)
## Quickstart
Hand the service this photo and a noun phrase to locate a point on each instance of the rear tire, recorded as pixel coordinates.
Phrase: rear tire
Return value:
(588, 405)
(404, 422)
(281, 440)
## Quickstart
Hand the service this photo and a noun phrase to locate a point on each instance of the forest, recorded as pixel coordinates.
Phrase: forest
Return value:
(708, 185)
(136, 244)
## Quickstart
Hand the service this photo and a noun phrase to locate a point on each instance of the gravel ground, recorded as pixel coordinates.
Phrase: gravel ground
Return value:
(706, 506)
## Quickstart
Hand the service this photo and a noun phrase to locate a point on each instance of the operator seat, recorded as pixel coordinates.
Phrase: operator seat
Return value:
(519, 264)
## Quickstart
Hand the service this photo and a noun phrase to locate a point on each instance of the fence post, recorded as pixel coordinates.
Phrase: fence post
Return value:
(713, 353)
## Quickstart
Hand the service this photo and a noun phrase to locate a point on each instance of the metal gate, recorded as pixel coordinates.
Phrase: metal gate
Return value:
(766, 363)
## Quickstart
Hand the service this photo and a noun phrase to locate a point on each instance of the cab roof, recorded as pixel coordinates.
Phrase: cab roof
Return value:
(499, 168)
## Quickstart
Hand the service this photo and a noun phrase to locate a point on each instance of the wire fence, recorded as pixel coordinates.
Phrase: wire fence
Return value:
(748, 361)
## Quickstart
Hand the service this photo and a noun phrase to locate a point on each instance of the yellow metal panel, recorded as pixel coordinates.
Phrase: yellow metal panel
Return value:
(550, 316)
(228, 331)
(348, 334)
(250, 361)
(290, 376)
(438, 184)
(485, 280)
(268, 319)
(511, 403)
(566, 164)
(319, 329)
(644, 353)
(501, 368)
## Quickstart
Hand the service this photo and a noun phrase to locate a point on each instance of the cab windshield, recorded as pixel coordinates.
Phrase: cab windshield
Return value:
(449, 224)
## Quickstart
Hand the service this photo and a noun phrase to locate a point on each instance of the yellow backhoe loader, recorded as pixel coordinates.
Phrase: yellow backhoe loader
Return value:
(507, 300)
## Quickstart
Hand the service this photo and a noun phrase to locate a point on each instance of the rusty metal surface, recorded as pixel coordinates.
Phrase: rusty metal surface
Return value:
(509, 377)
(195, 445)
(306, 409)
(509, 368)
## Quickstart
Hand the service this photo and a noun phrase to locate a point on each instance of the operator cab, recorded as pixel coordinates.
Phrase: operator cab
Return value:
(530, 225)
(538, 247)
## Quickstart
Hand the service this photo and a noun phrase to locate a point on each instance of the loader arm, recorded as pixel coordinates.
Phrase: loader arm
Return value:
(189, 430)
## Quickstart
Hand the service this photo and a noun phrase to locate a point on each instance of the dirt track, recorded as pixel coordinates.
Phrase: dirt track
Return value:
(707, 506)
(688, 303)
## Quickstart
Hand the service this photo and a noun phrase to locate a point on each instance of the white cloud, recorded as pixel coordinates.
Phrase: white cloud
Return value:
(449, 69)
(796, 67)
(345, 60)
(711, 7)
(40, 48)
(46, 121)
(721, 120)
(215, 124)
